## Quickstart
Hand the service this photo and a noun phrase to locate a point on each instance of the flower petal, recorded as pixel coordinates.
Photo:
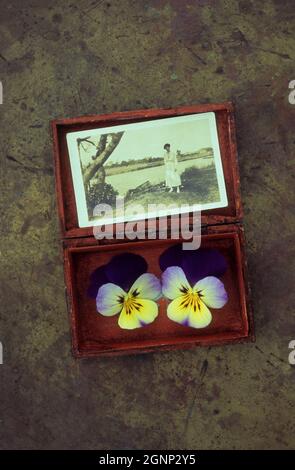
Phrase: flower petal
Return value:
(176, 312)
(125, 268)
(203, 262)
(212, 292)
(148, 312)
(128, 321)
(147, 286)
(97, 278)
(174, 282)
(171, 257)
(142, 313)
(109, 300)
(187, 313)
(201, 317)
(196, 264)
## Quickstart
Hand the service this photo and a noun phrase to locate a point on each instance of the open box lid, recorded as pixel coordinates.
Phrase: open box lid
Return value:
(232, 213)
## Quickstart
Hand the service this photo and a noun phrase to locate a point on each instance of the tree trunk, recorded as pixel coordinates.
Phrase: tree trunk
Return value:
(101, 157)
(100, 146)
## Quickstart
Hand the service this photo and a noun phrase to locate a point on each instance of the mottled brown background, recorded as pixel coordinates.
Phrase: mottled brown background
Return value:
(74, 58)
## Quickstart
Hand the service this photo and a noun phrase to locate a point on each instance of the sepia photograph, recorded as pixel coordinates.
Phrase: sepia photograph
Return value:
(172, 161)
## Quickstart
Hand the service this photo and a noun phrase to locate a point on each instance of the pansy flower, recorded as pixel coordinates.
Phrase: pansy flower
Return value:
(124, 287)
(190, 281)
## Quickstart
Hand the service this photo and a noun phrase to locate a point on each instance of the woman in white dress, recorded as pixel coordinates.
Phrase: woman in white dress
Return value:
(171, 173)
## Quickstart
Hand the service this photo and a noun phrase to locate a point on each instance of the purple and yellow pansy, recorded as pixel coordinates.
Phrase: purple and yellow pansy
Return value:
(124, 287)
(190, 281)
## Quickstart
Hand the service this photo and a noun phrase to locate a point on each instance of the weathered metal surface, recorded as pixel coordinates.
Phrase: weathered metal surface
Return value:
(63, 59)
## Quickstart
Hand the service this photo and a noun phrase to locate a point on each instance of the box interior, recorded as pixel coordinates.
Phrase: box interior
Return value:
(94, 333)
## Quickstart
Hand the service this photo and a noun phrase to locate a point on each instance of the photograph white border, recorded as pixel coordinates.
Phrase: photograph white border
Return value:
(77, 177)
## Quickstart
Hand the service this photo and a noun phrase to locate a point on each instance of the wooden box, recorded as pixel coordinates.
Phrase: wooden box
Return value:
(93, 334)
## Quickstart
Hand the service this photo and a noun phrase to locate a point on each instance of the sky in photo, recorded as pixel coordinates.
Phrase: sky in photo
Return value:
(149, 142)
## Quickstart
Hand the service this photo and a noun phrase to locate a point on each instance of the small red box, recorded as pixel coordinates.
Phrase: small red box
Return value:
(93, 334)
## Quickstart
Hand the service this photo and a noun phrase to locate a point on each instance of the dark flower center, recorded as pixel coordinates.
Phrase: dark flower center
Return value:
(191, 299)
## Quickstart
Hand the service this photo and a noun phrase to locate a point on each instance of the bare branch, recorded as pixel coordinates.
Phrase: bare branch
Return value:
(85, 139)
